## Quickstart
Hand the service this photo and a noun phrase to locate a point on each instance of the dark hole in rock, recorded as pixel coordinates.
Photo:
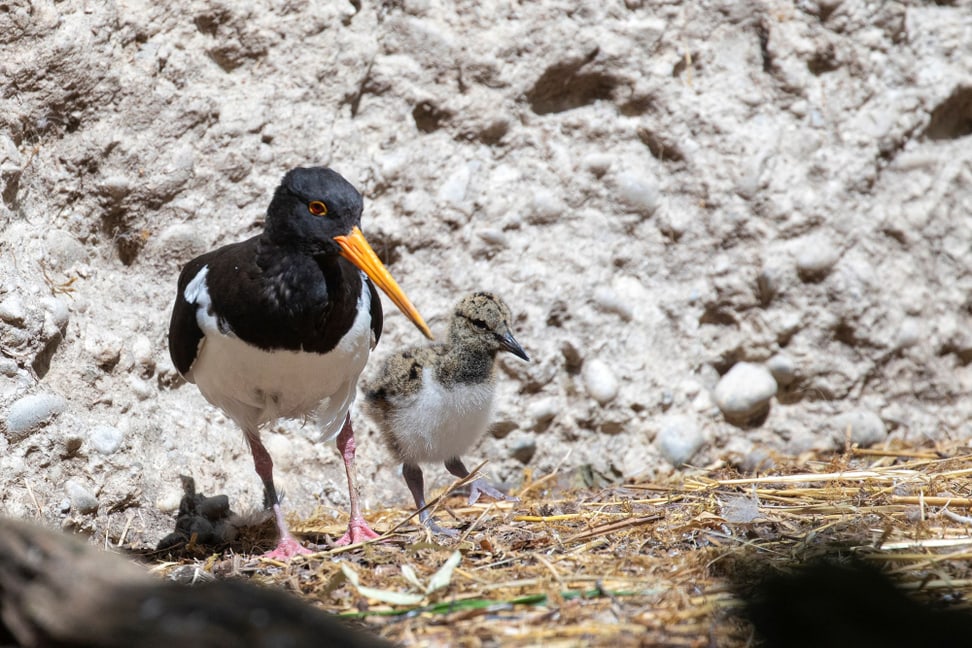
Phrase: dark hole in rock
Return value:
(952, 118)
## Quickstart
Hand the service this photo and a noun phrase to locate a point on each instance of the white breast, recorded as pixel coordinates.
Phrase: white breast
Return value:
(254, 386)
(440, 424)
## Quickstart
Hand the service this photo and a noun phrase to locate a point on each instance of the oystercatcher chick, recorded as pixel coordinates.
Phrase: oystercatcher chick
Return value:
(281, 325)
(433, 403)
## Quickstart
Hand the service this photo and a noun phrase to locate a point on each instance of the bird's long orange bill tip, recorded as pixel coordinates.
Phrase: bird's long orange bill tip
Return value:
(355, 248)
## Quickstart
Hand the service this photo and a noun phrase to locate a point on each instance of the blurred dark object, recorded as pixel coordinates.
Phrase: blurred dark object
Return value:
(838, 603)
(201, 520)
(56, 590)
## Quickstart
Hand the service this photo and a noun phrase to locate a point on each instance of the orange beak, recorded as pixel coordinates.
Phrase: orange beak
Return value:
(355, 248)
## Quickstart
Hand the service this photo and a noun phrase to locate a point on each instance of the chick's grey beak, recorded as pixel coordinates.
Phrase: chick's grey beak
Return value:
(509, 343)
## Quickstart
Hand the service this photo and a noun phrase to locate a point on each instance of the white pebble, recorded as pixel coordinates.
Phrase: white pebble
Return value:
(866, 427)
(142, 351)
(65, 250)
(542, 411)
(493, 236)
(169, 501)
(597, 163)
(30, 412)
(453, 190)
(57, 310)
(745, 391)
(638, 191)
(816, 256)
(679, 438)
(82, 499)
(600, 381)
(783, 368)
(910, 333)
(547, 208)
(105, 439)
(770, 281)
(611, 302)
(142, 389)
(12, 310)
(8, 367)
(104, 349)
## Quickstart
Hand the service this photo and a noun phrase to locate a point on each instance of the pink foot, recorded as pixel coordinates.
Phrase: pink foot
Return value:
(358, 531)
(287, 548)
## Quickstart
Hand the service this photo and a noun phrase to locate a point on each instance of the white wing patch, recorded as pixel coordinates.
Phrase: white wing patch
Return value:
(197, 286)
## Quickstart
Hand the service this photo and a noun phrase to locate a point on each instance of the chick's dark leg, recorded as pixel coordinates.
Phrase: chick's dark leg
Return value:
(478, 486)
(416, 485)
(358, 529)
(287, 545)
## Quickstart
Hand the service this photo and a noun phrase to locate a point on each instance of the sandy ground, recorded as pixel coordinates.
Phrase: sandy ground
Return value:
(661, 192)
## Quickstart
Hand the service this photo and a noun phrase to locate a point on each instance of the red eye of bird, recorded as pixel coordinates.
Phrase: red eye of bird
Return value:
(317, 208)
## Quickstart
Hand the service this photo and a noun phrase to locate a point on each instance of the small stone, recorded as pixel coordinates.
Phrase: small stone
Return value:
(142, 351)
(745, 391)
(597, 163)
(65, 250)
(453, 190)
(141, 388)
(600, 381)
(909, 333)
(105, 439)
(611, 302)
(523, 452)
(493, 236)
(177, 241)
(639, 192)
(169, 502)
(82, 499)
(769, 281)
(57, 310)
(783, 368)
(8, 367)
(679, 438)
(31, 412)
(12, 310)
(542, 411)
(816, 257)
(547, 208)
(105, 350)
(866, 427)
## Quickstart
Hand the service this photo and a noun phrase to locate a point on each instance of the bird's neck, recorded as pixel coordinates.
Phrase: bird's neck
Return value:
(297, 277)
(467, 362)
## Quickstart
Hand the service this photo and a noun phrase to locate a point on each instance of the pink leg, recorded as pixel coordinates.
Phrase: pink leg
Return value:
(358, 529)
(287, 546)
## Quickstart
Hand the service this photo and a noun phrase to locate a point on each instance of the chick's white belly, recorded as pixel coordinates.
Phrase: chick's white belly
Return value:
(254, 386)
(439, 424)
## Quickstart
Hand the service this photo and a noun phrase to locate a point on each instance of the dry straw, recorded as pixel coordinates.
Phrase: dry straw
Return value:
(644, 563)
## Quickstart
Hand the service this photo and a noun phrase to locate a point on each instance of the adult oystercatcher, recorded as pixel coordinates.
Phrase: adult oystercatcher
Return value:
(433, 403)
(281, 325)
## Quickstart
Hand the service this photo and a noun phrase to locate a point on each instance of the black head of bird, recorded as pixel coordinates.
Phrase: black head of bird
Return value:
(483, 321)
(319, 212)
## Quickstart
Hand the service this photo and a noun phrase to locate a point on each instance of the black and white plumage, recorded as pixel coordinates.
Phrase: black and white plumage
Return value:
(282, 324)
(433, 403)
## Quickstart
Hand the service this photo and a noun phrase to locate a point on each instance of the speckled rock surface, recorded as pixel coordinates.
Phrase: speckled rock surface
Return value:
(660, 191)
